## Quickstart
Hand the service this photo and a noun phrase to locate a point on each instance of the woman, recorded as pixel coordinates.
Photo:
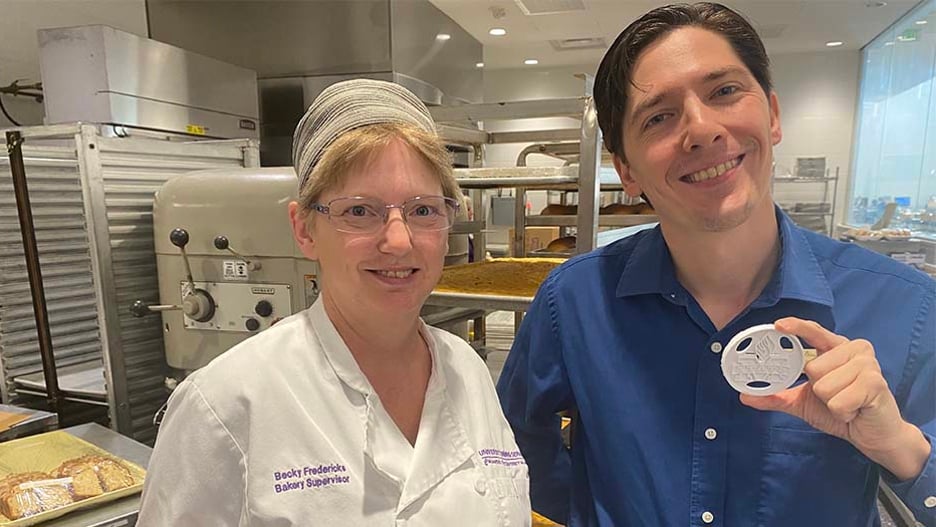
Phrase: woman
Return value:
(353, 412)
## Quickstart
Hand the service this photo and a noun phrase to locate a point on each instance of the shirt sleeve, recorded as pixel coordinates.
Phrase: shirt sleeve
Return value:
(196, 475)
(532, 388)
(917, 399)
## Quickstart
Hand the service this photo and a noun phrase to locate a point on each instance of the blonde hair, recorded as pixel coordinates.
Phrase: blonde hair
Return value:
(359, 146)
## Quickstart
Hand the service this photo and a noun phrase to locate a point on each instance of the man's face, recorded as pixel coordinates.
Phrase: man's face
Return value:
(698, 133)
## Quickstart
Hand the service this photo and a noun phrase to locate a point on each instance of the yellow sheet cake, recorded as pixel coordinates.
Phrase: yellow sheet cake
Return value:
(501, 276)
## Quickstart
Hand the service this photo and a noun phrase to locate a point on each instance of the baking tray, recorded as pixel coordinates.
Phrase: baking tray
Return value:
(512, 277)
(44, 453)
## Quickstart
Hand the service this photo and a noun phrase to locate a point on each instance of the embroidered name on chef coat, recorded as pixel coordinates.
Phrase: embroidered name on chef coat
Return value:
(310, 477)
(506, 458)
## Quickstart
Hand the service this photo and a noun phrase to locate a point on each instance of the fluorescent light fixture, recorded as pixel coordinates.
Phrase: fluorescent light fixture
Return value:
(443, 36)
(921, 22)
(497, 32)
(834, 43)
(531, 62)
(479, 64)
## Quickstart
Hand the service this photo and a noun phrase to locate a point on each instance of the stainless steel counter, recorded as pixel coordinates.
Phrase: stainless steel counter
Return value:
(37, 422)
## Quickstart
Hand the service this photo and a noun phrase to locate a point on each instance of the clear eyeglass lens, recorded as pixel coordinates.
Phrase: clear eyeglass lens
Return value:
(366, 215)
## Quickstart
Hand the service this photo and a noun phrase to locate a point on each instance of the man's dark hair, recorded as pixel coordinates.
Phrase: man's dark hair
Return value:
(616, 69)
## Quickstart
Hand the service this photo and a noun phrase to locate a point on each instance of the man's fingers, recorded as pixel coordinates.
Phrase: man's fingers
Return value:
(787, 401)
(849, 402)
(858, 351)
(818, 336)
(830, 384)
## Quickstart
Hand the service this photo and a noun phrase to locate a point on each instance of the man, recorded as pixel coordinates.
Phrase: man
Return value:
(630, 336)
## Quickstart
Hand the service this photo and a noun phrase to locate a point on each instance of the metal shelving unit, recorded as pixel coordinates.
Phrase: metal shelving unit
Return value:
(581, 149)
(91, 198)
(826, 206)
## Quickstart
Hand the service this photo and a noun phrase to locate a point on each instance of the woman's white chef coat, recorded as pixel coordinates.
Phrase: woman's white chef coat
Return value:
(285, 430)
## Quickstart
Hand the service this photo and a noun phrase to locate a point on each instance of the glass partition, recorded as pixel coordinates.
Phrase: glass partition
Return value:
(895, 150)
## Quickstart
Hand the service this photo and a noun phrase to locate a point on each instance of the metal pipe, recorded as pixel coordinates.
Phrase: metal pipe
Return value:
(559, 151)
(24, 210)
(589, 180)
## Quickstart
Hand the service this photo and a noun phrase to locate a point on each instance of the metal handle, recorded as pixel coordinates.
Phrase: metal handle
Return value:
(180, 238)
(139, 308)
(222, 243)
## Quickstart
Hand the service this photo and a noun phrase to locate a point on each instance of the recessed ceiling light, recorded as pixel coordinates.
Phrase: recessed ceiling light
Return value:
(497, 31)
(443, 36)
(479, 64)
(921, 22)
(889, 43)
(531, 62)
(834, 43)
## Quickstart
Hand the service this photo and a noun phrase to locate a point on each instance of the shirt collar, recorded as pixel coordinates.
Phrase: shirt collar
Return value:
(799, 276)
(342, 361)
(650, 269)
(336, 351)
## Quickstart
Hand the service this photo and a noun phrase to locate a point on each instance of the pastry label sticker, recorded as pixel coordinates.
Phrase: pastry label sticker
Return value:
(762, 361)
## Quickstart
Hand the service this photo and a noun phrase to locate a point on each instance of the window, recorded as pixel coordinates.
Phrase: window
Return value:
(895, 150)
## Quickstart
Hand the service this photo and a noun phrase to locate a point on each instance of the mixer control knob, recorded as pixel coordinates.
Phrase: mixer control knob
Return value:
(264, 308)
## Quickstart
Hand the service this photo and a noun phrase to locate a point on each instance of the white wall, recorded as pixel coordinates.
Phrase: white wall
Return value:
(818, 95)
(19, 53)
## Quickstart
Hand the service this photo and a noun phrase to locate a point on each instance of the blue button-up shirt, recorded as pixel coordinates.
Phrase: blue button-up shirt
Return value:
(662, 439)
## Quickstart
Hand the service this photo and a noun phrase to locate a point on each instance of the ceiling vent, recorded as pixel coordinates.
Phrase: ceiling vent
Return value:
(569, 44)
(549, 7)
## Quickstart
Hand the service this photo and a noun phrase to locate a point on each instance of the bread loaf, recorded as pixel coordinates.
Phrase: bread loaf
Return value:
(30, 493)
(107, 473)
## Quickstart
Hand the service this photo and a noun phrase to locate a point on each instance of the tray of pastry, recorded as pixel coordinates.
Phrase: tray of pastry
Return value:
(48, 475)
(501, 283)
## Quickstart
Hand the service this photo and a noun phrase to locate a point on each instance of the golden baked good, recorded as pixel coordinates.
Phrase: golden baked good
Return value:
(555, 209)
(621, 209)
(30, 493)
(85, 482)
(113, 475)
(502, 276)
(565, 244)
(93, 475)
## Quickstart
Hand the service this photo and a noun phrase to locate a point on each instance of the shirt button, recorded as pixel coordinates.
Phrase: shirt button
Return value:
(711, 433)
(716, 347)
(930, 502)
(480, 487)
(708, 517)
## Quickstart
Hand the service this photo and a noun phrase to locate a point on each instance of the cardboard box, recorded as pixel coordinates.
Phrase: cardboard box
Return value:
(535, 238)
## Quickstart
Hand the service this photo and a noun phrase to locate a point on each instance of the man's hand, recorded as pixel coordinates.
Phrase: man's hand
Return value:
(847, 397)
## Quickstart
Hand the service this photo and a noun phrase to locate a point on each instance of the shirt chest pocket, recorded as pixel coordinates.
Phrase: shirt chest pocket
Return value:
(812, 478)
(507, 490)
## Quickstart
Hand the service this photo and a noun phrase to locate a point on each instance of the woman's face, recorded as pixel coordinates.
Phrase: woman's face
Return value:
(392, 270)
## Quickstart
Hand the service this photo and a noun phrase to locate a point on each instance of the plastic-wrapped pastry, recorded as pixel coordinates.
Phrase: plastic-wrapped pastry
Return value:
(94, 475)
(30, 493)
